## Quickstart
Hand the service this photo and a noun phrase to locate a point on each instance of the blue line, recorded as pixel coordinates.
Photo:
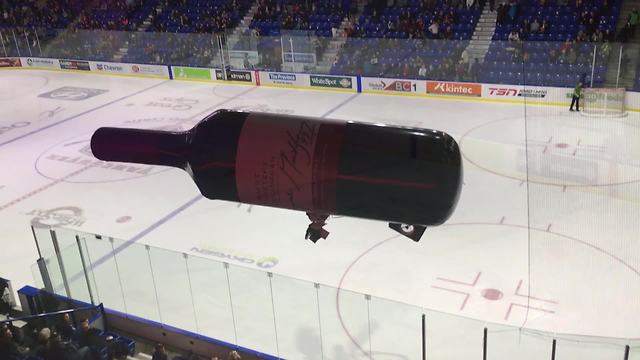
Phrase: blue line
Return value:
(184, 206)
(82, 113)
(138, 236)
(339, 105)
(167, 217)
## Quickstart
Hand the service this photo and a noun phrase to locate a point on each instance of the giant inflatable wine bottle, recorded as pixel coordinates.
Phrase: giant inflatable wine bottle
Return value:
(409, 177)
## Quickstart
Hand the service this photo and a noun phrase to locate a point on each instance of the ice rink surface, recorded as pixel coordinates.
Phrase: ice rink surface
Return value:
(559, 252)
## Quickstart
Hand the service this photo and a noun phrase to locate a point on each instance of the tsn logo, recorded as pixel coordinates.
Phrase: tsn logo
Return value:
(503, 91)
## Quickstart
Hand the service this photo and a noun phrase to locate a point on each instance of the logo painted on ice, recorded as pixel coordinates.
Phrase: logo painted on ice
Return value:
(75, 154)
(13, 126)
(60, 216)
(71, 93)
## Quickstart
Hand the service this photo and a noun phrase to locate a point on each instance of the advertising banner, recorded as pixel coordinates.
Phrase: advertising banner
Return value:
(514, 92)
(10, 62)
(269, 78)
(74, 65)
(236, 75)
(454, 88)
(189, 73)
(397, 86)
(41, 63)
(332, 82)
(130, 69)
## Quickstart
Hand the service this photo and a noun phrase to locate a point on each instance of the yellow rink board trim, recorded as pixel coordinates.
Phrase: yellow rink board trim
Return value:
(303, 87)
(92, 73)
(429, 96)
(477, 98)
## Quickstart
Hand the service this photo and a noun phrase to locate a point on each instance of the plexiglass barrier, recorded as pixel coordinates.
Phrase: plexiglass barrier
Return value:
(535, 63)
(283, 316)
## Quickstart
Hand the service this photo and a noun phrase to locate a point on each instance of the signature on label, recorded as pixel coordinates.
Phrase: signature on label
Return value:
(297, 157)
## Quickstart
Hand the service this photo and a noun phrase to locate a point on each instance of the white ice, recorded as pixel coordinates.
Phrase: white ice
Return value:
(567, 237)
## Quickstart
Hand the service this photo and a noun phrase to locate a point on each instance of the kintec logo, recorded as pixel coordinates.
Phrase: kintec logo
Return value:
(451, 88)
(503, 92)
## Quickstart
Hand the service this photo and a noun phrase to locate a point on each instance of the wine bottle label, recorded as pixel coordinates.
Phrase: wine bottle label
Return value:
(289, 162)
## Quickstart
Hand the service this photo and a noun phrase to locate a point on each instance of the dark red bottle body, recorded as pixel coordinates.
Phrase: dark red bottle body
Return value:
(394, 174)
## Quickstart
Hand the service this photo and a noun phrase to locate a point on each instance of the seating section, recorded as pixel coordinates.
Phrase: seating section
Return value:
(165, 48)
(200, 16)
(319, 17)
(561, 38)
(536, 42)
(45, 13)
(400, 58)
(544, 63)
(558, 20)
(415, 20)
(116, 15)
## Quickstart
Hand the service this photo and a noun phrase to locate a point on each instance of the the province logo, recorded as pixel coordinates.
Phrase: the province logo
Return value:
(72, 161)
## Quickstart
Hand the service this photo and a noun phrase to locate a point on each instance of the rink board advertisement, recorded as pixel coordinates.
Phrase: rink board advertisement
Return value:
(11, 62)
(237, 76)
(130, 69)
(454, 88)
(397, 86)
(191, 73)
(74, 65)
(506, 93)
(40, 63)
(281, 79)
(332, 82)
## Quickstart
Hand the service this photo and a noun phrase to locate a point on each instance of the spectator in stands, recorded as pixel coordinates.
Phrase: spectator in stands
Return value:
(233, 355)
(625, 33)
(82, 334)
(66, 328)
(460, 71)
(160, 353)
(474, 70)
(535, 26)
(9, 349)
(116, 349)
(5, 307)
(553, 56)
(87, 339)
(501, 14)
(513, 12)
(40, 348)
(60, 350)
(514, 36)
(434, 29)
(422, 72)
(633, 21)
